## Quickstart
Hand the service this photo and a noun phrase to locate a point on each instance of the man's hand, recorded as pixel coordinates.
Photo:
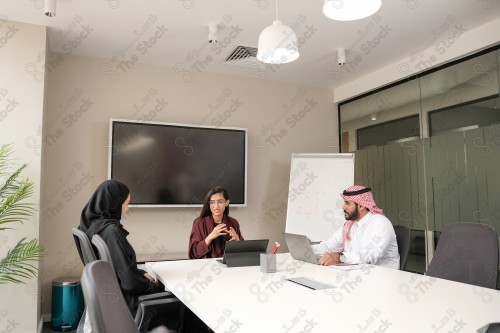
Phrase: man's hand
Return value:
(329, 259)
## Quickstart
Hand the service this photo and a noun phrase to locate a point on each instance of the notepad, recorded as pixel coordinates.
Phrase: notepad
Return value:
(310, 283)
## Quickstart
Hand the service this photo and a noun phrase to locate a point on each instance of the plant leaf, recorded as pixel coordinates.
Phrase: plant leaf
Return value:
(17, 264)
(13, 191)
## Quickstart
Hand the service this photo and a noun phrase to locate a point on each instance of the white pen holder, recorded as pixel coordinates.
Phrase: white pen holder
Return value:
(267, 263)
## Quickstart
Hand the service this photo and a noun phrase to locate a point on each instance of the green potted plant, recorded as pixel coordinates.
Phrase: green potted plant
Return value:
(17, 265)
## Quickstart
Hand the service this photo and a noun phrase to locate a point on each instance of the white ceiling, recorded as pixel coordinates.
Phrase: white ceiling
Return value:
(119, 30)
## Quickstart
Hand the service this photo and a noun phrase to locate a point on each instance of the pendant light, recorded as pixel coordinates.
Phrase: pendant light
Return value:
(277, 43)
(350, 10)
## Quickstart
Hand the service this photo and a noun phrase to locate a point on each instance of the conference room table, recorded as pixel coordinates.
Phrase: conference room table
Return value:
(366, 299)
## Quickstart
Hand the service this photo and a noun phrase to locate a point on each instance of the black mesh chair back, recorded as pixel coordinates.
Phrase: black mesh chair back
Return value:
(403, 239)
(83, 246)
(102, 249)
(106, 306)
(87, 255)
(468, 253)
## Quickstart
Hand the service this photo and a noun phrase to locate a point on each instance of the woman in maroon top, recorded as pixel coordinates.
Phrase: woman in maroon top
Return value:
(214, 227)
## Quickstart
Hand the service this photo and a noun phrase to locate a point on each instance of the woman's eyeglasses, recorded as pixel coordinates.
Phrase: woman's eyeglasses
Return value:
(218, 202)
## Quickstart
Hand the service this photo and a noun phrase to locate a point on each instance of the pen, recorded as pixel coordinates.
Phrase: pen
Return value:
(275, 248)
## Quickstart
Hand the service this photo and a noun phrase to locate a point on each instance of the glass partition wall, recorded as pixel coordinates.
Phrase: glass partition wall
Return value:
(429, 148)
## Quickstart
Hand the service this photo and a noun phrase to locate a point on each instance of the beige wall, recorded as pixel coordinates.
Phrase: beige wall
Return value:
(22, 58)
(81, 100)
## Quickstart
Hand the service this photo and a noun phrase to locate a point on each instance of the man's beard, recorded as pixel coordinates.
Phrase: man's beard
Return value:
(354, 216)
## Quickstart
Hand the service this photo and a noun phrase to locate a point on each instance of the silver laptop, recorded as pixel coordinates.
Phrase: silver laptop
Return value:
(300, 248)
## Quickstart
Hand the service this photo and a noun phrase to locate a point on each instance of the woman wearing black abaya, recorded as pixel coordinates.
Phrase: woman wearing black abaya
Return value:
(102, 216)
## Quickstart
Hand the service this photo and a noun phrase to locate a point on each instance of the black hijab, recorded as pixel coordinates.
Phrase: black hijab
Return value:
(104, 207)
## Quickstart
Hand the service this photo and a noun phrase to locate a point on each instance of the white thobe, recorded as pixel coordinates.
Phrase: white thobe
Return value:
(373, 241)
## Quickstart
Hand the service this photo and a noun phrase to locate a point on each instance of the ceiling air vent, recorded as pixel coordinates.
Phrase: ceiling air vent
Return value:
(242, 56)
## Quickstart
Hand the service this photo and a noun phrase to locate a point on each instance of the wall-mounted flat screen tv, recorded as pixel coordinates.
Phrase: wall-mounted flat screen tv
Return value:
(175, 165)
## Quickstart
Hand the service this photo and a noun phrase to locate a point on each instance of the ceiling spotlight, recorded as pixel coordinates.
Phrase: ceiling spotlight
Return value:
(350, 10)
(277, 43)
(212, 32)
(374, 116)
(341, 60)
(50, 8)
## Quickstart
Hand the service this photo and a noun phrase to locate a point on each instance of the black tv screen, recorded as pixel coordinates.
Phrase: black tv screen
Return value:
(176, 164)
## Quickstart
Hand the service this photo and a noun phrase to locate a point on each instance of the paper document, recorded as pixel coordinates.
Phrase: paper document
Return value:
(347, 267)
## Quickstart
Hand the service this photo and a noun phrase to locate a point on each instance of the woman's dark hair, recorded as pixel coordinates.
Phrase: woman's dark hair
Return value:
(205, 211)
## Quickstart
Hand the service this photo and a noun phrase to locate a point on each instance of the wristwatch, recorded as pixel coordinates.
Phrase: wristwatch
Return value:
(341, 258)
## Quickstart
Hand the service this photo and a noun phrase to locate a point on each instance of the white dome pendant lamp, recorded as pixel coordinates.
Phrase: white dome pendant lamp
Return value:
(277, 43)
(350, 10)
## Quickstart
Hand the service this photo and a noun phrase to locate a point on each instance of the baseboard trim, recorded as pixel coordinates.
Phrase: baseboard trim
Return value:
(43, 319)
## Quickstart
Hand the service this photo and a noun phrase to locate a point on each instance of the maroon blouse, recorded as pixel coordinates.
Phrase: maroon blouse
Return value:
(202, 227)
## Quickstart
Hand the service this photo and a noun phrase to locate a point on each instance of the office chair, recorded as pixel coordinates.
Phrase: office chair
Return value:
(467, 253)
(149, 305)
(106, 305)
(87, 255)
(102, 249)
(83, 246)
(403, 239)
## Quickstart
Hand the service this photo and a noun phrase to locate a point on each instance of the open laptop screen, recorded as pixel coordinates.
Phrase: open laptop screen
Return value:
(300, 248)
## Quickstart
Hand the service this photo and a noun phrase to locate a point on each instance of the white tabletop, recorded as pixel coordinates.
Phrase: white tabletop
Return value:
(370, 299)
(161, 256)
